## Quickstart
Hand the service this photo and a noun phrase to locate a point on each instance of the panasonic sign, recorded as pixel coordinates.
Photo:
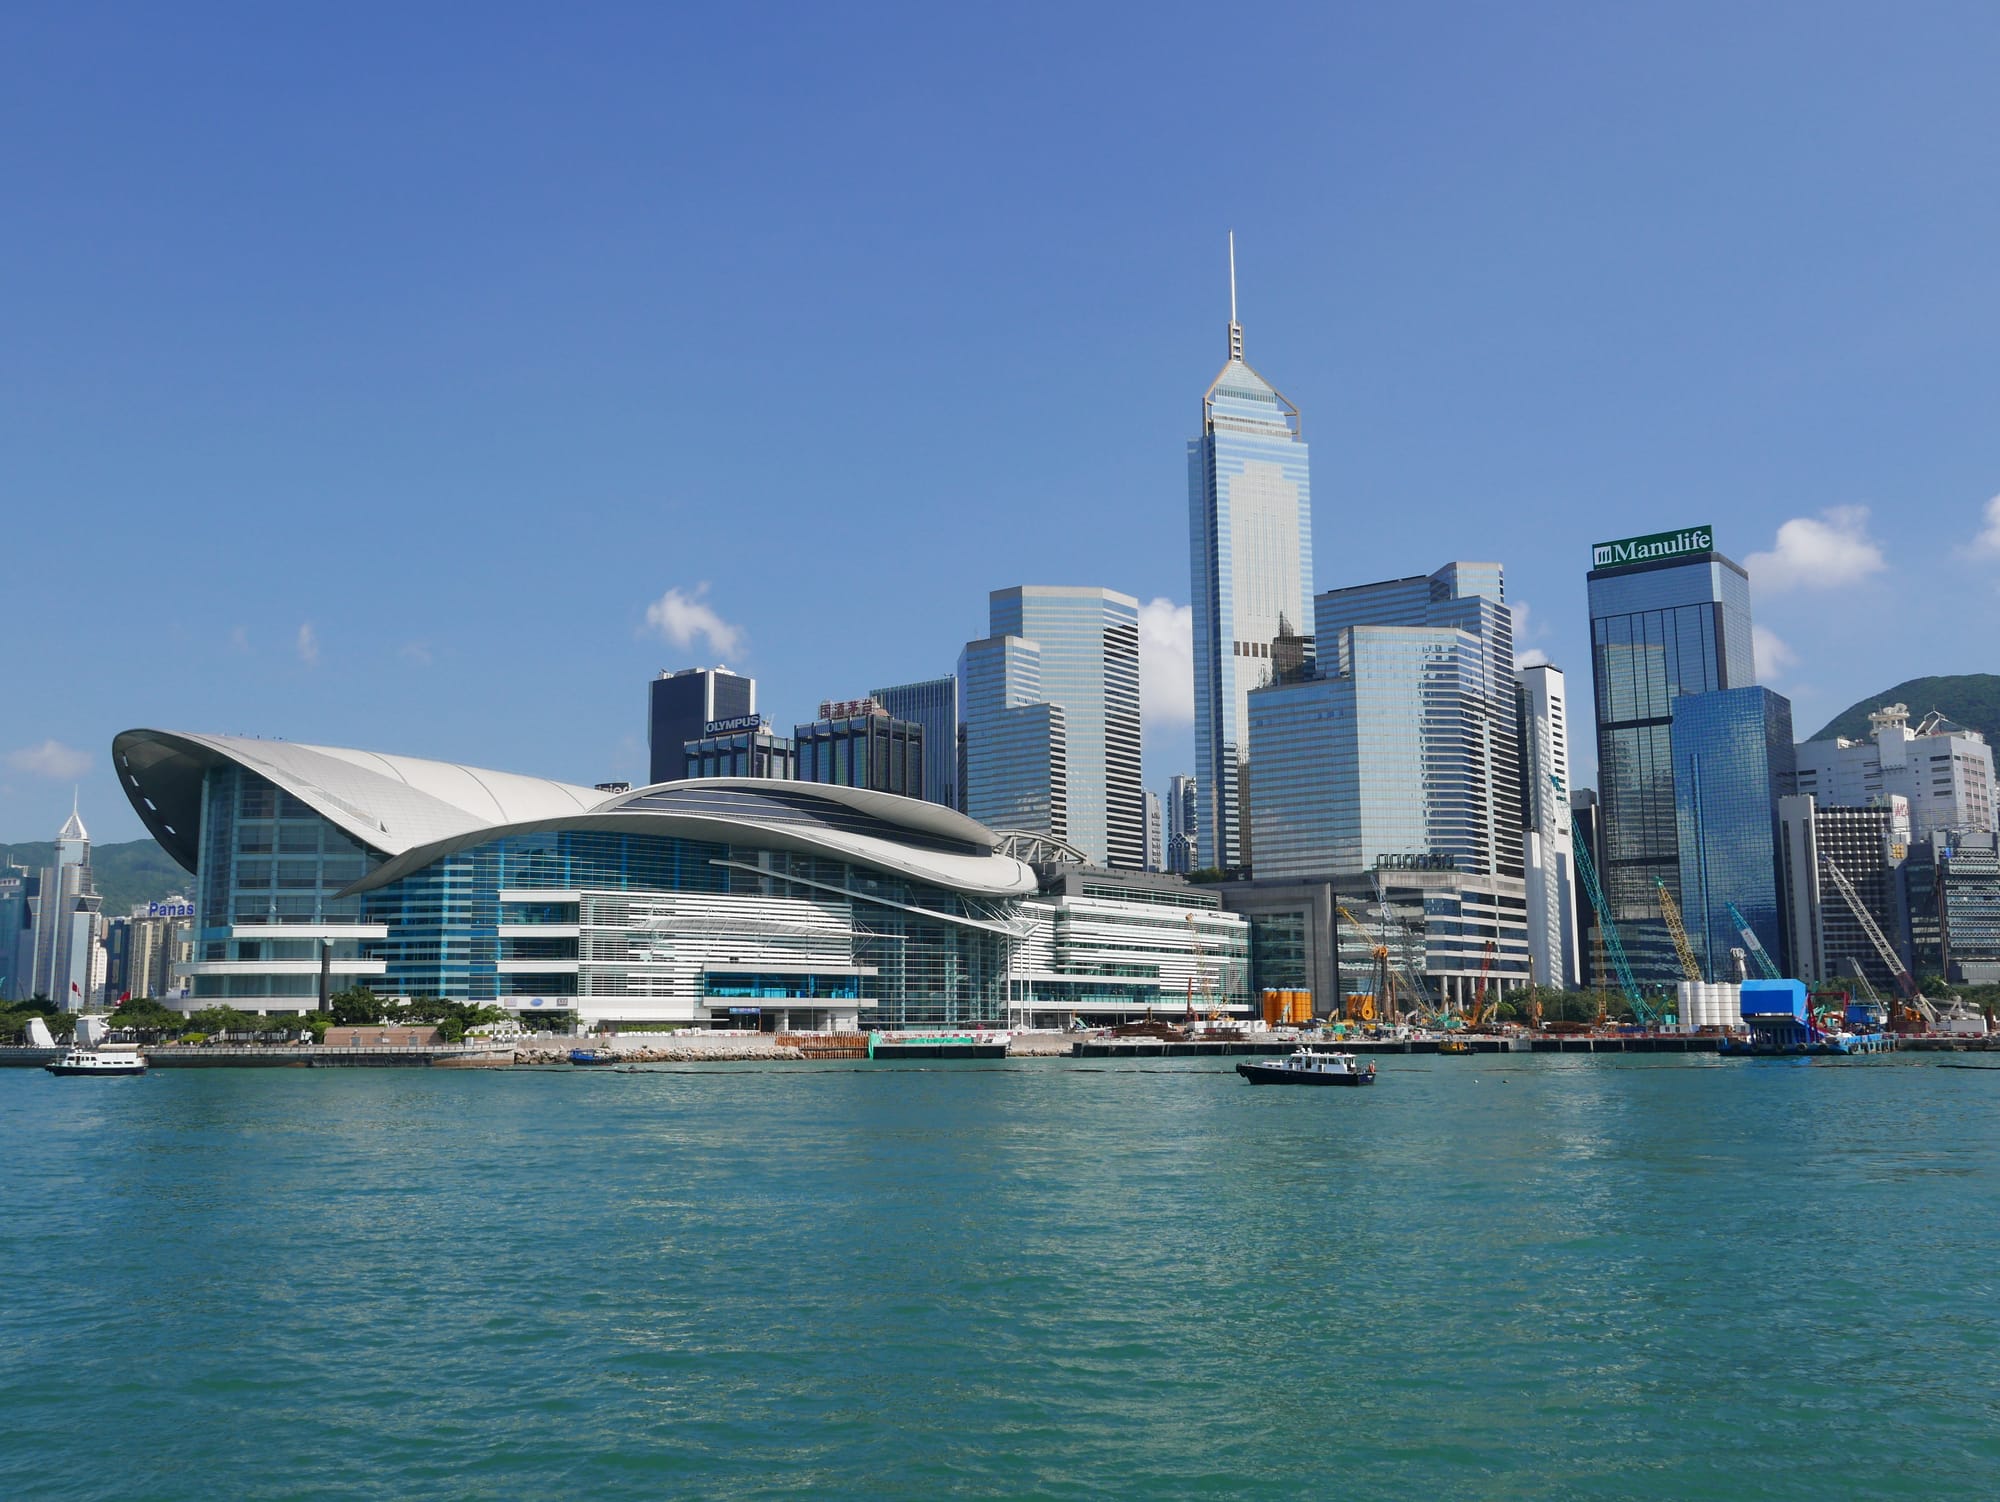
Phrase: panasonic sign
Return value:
(1647, 549)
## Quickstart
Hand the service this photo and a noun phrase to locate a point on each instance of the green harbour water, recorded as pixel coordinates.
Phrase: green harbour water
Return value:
(1504, 1276)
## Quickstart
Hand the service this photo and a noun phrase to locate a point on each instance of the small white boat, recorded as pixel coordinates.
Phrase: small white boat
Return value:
(1308, 1066)
(93, 1053)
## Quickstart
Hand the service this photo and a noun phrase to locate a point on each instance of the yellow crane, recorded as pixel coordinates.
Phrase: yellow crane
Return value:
(1671, 910)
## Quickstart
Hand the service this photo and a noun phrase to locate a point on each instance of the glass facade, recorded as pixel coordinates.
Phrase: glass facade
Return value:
(741, 753)
(1658, 631)
(272, 870)
(933, 704)
(874, 751)
(1013, 763)
(1733, 761)
(1087, 643)
(1407, 748)
(1250, 549)
(681, 706)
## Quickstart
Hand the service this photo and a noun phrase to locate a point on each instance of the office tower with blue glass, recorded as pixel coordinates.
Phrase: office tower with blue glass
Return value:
(1669, 615)
(1250, 548)
(856, 743)
(1398, 766)
(1087, 643)
(1733, 760)
(1013, 745)
(933, 704)
(680, 706)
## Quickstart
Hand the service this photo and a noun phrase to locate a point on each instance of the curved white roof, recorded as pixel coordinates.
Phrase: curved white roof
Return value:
(416, 812)
(389, 803)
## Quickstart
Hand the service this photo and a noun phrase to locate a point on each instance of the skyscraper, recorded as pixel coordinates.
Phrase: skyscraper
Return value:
(1183, 818)
(1088, 647)
(1548, 854)
(1250, 548)
(1669, 615)
(1404, 746)
(1156, 845)
(933, 704)
(1013, 762)
(681, 706)
(1824, 938)
(68, 921)
(1733, 761)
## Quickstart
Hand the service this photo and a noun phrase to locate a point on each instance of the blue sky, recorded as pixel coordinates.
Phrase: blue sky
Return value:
(367, 372)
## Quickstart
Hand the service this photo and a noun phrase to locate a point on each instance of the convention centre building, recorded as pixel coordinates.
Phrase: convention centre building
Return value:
(712, 902)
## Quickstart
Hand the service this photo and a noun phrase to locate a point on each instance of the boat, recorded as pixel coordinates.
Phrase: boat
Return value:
(91, 1053)
(1454, 1045)
(1308, 1066)
(592, 1056)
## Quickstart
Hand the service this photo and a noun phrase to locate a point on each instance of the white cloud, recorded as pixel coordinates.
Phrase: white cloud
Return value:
(51, 759)
(1987, 543)
(1525, 630)
(1829, 551)
(416, 654)
(681, 618)
(1773, 656)
(308, 645)
(1166, 662)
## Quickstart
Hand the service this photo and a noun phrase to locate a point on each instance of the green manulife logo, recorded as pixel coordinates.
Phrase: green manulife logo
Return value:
(1654, 545)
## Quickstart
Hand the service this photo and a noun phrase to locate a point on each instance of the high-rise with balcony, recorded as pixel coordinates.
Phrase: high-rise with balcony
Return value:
(1087, 645)
(1669, 615)
(1250, 549)
(1548, 851)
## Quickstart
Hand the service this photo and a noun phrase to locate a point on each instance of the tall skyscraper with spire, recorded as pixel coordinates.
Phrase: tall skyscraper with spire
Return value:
(68, 921)
(1250, 536)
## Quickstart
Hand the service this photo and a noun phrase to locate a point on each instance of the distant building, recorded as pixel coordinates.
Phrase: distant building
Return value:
(1952, 887)
(1088, 647)
(1587, 830)
(68, 920)
(17, 931)
(856, 743)
(681, 705)
(1183, 820)
(1013, 764)
(1669, 615)
(1733, 762)
(1824, 940)
(1400, 762)
(1548, 858)
(1155, 834)
(1944, 770)
(1250, 523)
(1405, 744)
(157, 947)
(933, 704)
(742, 747)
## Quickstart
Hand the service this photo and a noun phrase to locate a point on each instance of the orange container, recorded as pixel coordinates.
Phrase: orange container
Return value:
(1274, 1007)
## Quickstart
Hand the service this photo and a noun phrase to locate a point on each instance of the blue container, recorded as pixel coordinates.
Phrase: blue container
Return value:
(1768, 1000)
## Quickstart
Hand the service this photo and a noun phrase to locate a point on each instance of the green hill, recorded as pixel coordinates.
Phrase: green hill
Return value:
(136, 871)
(1972, 699)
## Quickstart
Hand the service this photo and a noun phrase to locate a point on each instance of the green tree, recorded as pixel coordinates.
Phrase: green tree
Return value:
(357, 1006)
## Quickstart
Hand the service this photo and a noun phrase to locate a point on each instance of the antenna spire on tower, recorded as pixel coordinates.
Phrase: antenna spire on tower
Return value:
(1235, 328)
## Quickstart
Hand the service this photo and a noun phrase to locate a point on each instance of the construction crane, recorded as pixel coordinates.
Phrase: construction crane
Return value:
(1479, 992)
(1405, 944)
(1607, 928)
(1753, 947)
(1671, 911)
(1913, 999)
(1388, 998)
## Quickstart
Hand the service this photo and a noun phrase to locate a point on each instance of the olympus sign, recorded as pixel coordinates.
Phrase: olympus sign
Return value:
(1656, 545)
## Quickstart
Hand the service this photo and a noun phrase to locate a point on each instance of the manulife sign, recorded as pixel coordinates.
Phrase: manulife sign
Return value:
(1654, 545)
